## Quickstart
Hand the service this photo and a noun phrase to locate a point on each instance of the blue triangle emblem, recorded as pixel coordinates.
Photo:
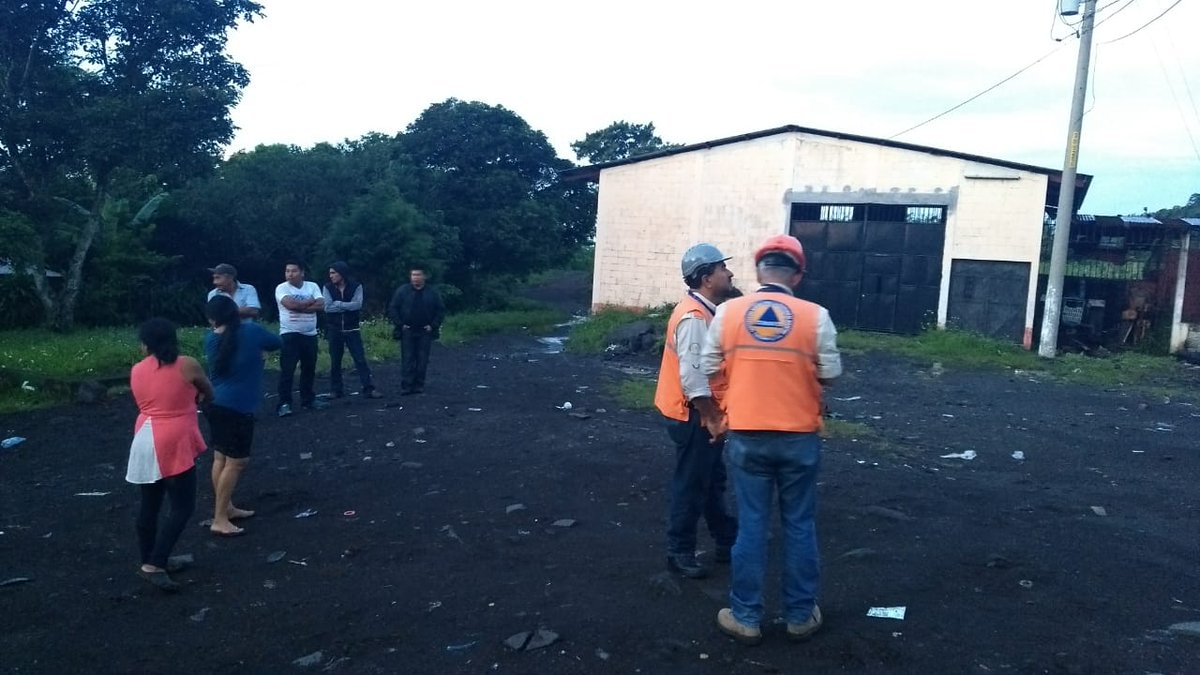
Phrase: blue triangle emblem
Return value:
(769, 318)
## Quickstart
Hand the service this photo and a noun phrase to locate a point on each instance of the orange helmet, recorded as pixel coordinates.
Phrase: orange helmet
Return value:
(785, 244)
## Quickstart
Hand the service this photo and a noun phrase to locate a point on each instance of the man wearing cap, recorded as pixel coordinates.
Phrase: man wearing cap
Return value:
(690, 403)
(224, 279)
(776, 352)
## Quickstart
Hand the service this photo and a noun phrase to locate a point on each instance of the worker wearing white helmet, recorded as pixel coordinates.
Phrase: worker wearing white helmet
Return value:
(690, 402)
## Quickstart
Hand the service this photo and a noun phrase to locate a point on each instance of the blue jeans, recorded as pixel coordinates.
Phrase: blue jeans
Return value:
(697, 488)
(350, 341)
(764, 463)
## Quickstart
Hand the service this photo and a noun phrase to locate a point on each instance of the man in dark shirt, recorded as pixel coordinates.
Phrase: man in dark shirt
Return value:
(417, 312)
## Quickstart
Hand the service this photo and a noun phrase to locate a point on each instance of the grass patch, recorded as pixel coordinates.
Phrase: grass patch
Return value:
(961, 349)
(52, 362)
(848, 430)
(634, 393)
(589, 337)
(462, 328)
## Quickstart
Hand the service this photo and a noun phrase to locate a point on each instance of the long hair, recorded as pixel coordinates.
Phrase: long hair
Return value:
(222, 311)
(158, 335)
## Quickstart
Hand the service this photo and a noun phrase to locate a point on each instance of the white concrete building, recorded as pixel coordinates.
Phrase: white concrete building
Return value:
(898, 236)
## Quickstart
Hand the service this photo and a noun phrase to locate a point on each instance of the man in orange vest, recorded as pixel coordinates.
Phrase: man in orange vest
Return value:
(689, 402)
(776, 352)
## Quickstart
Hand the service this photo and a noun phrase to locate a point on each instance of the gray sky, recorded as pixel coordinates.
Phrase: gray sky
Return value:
(326, 71)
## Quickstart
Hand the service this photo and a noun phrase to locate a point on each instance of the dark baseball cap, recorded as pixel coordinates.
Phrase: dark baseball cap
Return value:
(224, 268)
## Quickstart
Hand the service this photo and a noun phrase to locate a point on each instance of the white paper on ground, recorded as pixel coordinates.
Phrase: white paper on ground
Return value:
(887, 612)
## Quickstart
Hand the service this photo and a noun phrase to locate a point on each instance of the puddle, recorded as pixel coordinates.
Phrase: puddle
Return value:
(556, 343)
(553, 345)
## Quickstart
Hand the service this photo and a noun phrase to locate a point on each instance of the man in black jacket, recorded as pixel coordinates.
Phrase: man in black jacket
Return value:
(343, 310)
(417, 312)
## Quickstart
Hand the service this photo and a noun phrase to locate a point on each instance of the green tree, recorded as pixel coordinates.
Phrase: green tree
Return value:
(93, 90)
(619, 140)
(494, 181)
(381, 236)
(258, 209)
(1189, 210)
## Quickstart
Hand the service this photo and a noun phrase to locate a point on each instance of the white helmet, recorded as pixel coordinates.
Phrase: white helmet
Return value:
(700, 255)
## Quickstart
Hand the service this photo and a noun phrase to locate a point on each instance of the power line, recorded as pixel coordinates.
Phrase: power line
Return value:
(1043, 57)
(1183, 76)
(1187, 127)
(1022, 70)
(1139, 29)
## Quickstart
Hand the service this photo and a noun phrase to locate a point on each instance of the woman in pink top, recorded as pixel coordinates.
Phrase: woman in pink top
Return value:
(166, 442)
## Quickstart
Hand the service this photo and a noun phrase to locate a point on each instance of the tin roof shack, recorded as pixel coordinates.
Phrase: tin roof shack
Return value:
(1123, 285)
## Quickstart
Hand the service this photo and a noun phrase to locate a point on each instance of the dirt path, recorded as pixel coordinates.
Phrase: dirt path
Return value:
(434, 537)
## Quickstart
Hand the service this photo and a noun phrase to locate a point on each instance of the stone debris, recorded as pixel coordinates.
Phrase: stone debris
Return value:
(564, 522)
(309, 660)
(513, 508)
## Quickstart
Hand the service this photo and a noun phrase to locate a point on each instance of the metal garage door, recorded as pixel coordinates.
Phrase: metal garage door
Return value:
(989, 297)
(873, 266)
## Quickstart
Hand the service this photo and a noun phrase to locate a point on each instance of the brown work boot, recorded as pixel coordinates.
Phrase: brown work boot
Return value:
(798, 632)
(737, 630)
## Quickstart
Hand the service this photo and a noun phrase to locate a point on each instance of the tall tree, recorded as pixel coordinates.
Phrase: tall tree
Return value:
(619, 140)
(258, 209)
(91, 90)
(493, 179)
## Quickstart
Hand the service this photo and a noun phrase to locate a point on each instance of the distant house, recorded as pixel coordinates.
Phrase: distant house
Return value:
(898, 236)
(1128, 277)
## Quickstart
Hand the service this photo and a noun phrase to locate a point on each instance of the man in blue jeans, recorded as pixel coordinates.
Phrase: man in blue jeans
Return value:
(776, 352)
(343, 311)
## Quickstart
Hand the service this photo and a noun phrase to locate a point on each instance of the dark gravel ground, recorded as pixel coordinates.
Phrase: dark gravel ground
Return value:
(434, 538)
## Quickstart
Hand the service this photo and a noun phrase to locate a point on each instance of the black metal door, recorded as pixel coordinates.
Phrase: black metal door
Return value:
(989, 297)
(874, 267)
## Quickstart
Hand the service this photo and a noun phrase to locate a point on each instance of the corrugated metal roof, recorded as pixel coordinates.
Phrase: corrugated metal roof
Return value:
(1141, 220)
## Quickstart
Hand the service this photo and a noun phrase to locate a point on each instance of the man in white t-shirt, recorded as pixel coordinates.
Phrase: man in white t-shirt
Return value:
(299, 301)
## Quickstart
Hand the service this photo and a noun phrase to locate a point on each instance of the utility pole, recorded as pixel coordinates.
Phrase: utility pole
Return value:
(1051, 316)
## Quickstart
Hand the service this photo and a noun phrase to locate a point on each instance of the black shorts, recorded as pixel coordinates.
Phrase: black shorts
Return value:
(232, 431)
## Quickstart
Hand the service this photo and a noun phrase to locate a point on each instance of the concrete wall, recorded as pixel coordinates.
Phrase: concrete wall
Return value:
(650, 212)
(736, 195)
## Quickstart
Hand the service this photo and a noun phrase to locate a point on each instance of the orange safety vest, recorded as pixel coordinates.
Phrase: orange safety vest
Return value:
(770, 345)
(668, 396)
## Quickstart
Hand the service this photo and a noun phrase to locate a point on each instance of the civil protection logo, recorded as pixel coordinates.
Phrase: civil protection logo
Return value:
(769, 320)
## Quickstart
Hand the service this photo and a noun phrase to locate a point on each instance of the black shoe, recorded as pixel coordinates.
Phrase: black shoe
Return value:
(160, 580)
(372, 393)
(316, 404)
(686, 565)
(333, 394)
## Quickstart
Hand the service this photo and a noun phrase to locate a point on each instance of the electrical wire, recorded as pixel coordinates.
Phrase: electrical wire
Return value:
(1182, 115)
(942, 114)
(1023, 69)
(1183, 76)
(1139, 28)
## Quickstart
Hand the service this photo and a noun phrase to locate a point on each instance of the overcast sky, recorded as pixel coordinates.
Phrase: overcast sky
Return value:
(328, 71)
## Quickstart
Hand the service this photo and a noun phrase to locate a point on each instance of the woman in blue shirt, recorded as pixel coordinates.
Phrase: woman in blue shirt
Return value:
(234, 352)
